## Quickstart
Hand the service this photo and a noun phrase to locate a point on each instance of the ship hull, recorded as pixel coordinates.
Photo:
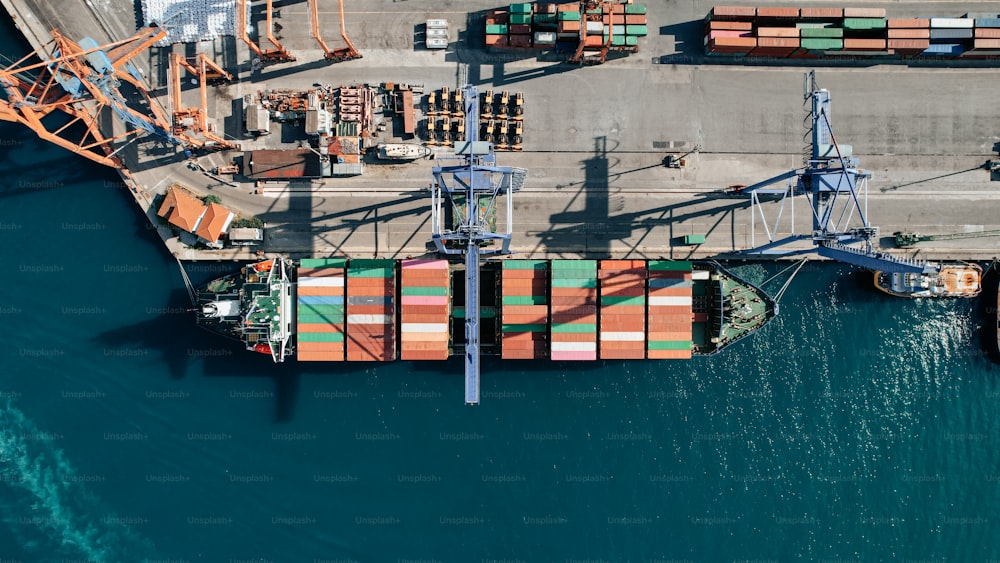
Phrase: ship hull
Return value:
(385, 310)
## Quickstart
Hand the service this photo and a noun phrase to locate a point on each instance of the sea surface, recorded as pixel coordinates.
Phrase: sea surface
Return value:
(855, 427)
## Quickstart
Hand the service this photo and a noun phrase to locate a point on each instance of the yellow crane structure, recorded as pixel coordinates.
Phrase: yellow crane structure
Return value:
(277, 55)
(80, 81)
(343, 54)
(195, 119)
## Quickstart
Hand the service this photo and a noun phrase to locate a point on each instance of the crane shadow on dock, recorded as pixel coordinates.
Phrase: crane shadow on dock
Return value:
(603, 219)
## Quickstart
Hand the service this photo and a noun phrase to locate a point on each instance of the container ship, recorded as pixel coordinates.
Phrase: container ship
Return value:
(337, 309)
(956, 279)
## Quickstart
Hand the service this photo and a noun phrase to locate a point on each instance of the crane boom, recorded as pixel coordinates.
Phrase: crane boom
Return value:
(904, 239)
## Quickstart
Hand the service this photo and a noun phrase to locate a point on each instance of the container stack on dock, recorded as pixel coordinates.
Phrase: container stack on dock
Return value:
(425, 310)
(623, 309)
(525, 309)
(371, 319)
(561, 26)
(320, 312)
(736, 31)
(574, 310)
(670, 310)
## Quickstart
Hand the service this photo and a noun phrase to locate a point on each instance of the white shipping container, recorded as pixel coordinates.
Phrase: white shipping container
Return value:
(670, 301)
(437, 24)
(437, 33)
(574, 347)
(369, 319)
(623, 336)
(952, 23)
(545, 37)
(595, 28)
(321, 282)
(436, 43)
(434, 328)
(700, 274)
(669, 282)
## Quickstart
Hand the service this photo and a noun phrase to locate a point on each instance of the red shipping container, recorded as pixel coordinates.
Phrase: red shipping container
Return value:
(769, 12)
(574, 337)
(309, 290)
(821, 13)
(909, 34)
(895, 23)
(864, 44)
(987, 33)
(320, 356)
(729, 26)
(864, 12)
(635, 19)
(776, 32)
(668, 354)
(732, 12)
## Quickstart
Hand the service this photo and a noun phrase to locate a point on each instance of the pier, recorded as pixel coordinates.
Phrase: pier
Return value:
(595, 138)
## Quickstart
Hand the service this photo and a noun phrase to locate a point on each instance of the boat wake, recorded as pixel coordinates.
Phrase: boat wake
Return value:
(47, 505)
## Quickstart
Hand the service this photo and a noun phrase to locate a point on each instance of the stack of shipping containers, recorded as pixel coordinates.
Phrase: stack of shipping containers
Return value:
(320, 310)
(854, 32)
(574, 309)
(525, 310)
(623, 309)
(425, 310)
(557, 25)
(669, 310)
(371, 291)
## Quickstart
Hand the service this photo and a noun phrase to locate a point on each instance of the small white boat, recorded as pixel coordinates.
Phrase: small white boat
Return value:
(402, 151)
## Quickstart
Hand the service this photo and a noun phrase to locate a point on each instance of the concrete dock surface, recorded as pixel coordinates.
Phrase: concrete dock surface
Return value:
(595, 137)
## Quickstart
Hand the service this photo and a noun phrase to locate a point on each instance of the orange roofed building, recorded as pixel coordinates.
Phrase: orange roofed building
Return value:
(191, 215)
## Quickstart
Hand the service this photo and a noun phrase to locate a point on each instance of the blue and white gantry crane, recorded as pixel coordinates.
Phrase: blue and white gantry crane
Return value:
(470, 186)
(837, 191)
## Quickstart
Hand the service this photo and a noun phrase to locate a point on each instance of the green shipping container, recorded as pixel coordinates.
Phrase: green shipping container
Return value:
(524, 328)
(423, 291)
(815, 44)
(864, 23)
(569, 16)
(525, 265)
(545, 18)
(618, 300)
(583, 328)
(631, 40)
(320, 319)
(323, 263)
(638, 30)
(574, 282)
(618, 41)
(320, 337)
(496, 29)
(670, 265)
(694, 239)
(670, 345)
(521, 8)
(520, 19)
(635, 8)
(524, 300)
(813, 25)
(821, 32)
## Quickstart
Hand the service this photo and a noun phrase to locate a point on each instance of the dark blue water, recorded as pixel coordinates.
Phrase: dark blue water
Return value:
(854, 427)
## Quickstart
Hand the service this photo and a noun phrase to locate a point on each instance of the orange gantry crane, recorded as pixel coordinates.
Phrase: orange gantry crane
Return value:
(195, 119)
(277, 55)
(80, 81)
(343, 54)
(604, 17)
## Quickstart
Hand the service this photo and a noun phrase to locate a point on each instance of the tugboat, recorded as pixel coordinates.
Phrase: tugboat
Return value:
(401, 151)
(954, 279)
